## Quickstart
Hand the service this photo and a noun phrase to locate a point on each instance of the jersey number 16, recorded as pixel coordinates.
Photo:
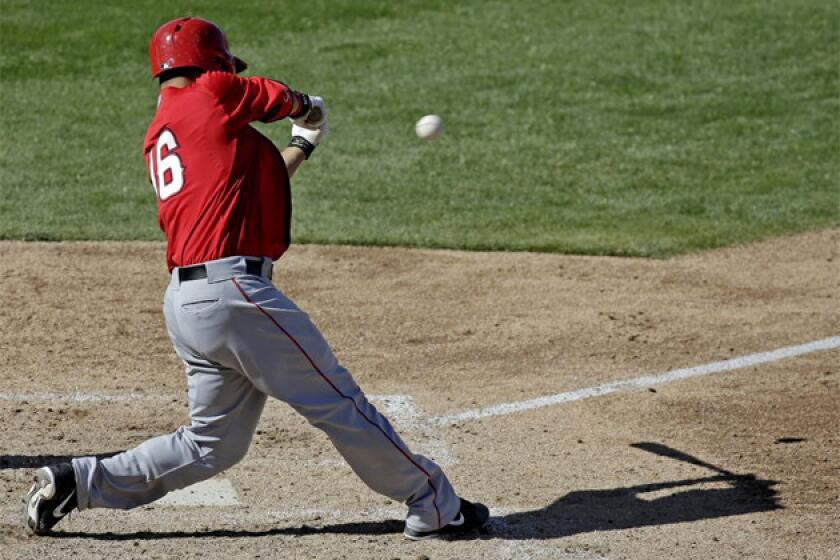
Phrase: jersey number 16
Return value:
(165, 168)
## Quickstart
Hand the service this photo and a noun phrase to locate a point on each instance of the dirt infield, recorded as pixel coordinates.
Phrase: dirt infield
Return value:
(742, 463)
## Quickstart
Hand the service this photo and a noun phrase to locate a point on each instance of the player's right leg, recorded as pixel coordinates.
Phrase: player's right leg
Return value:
(284, 354)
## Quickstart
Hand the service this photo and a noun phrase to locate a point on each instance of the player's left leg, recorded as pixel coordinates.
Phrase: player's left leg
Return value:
(224, 410)
(225, 407)
(222, 425)
(52, 496)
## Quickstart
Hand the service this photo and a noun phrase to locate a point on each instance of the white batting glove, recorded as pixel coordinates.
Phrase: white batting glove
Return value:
(316, 116)
(314, 136)
(307, 139)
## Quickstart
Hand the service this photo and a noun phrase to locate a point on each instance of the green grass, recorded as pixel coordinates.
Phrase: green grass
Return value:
(633, 128)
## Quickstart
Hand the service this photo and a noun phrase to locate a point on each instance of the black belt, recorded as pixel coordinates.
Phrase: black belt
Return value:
(199, 271)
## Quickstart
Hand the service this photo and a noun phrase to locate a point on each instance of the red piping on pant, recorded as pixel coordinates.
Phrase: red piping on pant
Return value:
(342, 395)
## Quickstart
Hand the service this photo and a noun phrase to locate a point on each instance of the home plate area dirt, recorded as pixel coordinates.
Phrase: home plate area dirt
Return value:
(738, 460)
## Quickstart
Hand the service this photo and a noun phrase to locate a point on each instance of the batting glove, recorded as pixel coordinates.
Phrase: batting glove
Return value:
(307, 139)
(316, 116)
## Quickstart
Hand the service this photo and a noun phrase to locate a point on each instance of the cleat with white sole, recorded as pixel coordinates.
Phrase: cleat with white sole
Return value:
(471, 517)
(51, 498)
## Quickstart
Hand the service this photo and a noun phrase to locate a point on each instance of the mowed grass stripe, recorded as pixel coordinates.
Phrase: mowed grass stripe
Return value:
(645, 128)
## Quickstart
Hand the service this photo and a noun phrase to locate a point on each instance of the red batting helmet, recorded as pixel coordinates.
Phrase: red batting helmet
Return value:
(191, 42)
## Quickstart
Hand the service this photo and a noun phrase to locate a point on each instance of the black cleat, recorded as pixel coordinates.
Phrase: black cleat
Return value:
(51, 498)
(472, 516)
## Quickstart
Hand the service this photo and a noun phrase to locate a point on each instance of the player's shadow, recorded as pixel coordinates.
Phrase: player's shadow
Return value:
(577, 512)
(678, 501)
(724, 494)
(14, 462)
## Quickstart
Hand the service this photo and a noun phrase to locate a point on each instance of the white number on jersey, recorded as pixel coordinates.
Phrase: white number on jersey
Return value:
(165, 168)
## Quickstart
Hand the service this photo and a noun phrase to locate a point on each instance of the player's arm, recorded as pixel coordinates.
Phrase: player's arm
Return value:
(246, 100)
(303, 143)
(293, 156)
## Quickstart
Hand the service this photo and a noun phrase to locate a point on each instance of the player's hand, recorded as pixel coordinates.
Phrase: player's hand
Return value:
(314, 136)
(316, 117)
(307, 139)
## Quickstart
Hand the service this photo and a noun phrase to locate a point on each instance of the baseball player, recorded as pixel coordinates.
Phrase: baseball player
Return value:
(224, 203)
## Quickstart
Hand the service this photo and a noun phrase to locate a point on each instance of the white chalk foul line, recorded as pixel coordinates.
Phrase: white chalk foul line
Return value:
(642, 382)
(413, 417)
(91, 396)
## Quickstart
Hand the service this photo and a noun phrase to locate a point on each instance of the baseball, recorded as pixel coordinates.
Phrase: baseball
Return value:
(429, 127)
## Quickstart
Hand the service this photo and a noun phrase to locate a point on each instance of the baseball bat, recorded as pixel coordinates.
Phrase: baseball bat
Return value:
(314, 115)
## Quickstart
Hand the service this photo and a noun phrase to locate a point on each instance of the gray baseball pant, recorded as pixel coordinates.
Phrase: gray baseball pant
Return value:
(242, 340)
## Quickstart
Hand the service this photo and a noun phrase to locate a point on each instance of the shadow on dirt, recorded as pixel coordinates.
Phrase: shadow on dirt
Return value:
(37, 461)
(721, 495)
(625, 508)
(363, 528)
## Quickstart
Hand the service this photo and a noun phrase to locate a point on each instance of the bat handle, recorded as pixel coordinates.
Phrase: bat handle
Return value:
(315, 115)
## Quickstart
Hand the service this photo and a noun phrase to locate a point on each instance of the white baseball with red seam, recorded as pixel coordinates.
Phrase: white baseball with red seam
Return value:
(429, 127)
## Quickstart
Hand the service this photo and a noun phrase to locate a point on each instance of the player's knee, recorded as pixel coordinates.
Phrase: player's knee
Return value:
(219, 452)
(339, 412)
(225, 454)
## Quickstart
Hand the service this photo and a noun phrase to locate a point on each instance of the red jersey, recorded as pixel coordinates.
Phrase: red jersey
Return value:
(222, 187)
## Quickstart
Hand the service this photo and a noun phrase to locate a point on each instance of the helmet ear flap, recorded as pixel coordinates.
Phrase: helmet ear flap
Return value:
(234, 64)
(223, 64)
